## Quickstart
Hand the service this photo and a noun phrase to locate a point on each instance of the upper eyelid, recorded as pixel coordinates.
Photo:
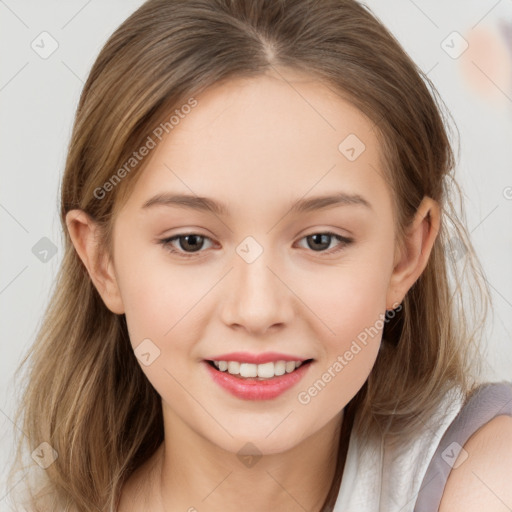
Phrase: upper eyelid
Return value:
(318, 232)
(341, 238)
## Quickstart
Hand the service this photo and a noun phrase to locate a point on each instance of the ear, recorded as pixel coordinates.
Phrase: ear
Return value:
(412, 259)
(84, 233)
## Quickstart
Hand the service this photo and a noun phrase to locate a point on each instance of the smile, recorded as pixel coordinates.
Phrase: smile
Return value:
(262, 371)
(250, 381)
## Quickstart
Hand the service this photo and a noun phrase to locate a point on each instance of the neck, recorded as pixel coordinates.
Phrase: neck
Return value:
(192, 474)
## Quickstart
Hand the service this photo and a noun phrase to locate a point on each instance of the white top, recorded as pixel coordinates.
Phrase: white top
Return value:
(382, 479)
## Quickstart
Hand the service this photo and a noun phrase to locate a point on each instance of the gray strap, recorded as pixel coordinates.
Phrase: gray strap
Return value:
(488, 401)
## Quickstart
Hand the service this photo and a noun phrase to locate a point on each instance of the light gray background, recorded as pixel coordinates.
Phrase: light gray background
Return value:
(38, 98)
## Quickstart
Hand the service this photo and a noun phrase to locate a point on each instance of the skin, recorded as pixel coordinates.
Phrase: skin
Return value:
(480, 479)
(257, 145)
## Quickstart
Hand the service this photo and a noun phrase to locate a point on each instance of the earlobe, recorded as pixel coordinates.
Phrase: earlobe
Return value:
(413, 258)
(84, 234)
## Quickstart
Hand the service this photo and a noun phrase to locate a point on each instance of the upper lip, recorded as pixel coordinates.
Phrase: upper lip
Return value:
(265, 357)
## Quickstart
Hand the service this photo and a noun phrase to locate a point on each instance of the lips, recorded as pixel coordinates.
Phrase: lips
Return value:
(265, 357)
(255, 388)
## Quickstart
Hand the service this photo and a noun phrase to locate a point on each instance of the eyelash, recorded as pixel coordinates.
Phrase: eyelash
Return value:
(166, 243)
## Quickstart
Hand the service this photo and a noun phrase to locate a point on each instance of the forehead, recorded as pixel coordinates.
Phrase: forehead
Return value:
(275, 137)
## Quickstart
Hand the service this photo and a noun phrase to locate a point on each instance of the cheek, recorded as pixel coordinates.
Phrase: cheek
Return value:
(355, 317)
(147, 315)
(347, 301)
(350, 297)
(158, 296)
(350, 301)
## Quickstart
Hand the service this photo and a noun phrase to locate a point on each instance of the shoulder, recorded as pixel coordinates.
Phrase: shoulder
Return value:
(480, 477)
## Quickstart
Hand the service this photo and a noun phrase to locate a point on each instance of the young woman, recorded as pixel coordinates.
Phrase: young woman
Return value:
(259, 306)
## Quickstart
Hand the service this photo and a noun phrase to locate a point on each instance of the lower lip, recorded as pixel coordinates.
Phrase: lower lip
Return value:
(253, 389)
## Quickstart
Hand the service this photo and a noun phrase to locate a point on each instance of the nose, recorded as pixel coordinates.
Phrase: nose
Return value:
(258, 297)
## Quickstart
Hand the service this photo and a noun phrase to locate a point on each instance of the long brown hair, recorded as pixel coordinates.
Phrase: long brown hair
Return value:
(84, 392)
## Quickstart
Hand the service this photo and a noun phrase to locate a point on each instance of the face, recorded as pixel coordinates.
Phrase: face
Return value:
(260, 275)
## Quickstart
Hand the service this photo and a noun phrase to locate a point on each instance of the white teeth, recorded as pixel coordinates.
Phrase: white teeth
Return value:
(234, 367)
(263, 371)
(290, 366)
(248, 370)
(279, 368)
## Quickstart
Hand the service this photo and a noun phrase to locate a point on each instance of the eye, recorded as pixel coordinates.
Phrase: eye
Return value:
(192, 243)
(323, 240)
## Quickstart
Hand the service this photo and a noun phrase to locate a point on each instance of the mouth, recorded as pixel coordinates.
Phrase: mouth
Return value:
(264, 381)
(257, 372)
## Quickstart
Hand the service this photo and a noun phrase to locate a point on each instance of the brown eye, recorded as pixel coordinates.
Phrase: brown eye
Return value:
(319, 242)
(193, 242)
(189, 243)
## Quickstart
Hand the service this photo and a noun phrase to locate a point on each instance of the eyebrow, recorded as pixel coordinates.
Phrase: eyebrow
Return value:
(210, 205)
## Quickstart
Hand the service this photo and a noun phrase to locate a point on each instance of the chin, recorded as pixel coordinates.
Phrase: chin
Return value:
(258, 441)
